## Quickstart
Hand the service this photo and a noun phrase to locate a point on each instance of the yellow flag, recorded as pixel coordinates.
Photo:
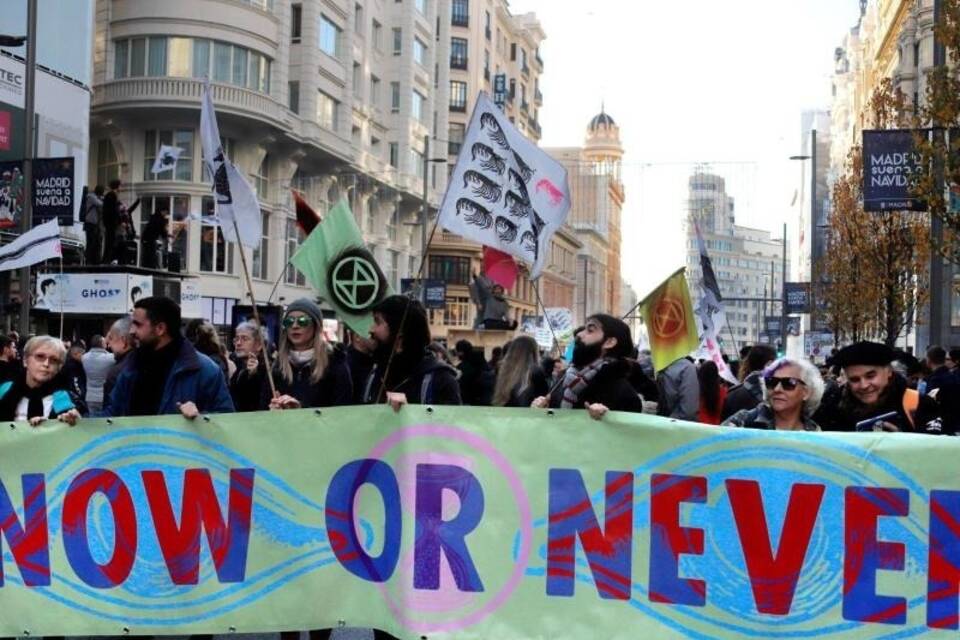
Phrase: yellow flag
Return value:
(670, 322)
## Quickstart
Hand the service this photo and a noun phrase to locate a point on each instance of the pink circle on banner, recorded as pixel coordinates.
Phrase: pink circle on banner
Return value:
(481, 446)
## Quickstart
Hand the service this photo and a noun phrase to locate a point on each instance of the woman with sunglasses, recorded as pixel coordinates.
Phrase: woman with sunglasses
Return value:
(792, 390)
(308, 372)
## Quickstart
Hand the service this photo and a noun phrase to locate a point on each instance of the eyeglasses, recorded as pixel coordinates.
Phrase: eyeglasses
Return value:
(788, 384)
(300, 321)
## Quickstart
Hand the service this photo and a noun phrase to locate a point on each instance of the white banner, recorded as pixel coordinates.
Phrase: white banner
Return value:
(505, 192)
(97, 293)
(39, 244)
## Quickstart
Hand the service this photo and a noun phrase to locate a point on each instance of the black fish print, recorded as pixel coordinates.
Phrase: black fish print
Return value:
(506, 230)
(516, 205)
(488, 122)
(489, 159)
(536, 223)
(529, 243)
(525, 170)
(474, 213)
(518, 185)
(482, 186)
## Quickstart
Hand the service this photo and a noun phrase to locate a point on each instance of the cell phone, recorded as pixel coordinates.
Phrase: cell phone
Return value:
(870, 423)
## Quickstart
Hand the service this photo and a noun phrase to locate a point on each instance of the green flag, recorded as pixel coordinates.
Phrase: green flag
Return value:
(337, 263)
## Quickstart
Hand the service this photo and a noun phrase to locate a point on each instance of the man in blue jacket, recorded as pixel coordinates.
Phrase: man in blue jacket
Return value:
(166, 374)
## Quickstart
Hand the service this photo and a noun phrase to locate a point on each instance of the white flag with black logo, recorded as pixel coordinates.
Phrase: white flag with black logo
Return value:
(39, 244)
(234, 197)
(166, 159)
(505, 192)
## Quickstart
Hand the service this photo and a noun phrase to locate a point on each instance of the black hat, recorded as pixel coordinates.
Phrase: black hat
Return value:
(865, 354)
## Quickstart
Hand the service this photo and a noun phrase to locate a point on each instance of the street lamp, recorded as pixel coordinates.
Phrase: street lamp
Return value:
(812, 157)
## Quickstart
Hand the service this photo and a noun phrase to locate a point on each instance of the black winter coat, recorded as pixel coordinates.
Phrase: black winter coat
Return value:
(746, 395)
(246, 388)
(609, 387)
(843, 411)
(429, 382)
(334, 389)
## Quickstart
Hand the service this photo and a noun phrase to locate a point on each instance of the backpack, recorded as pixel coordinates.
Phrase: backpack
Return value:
(90, 214)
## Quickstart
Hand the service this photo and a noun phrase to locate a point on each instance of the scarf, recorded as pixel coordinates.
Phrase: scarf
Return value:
(153, 367)
(35, 396)
(576, 380)
(302, 357)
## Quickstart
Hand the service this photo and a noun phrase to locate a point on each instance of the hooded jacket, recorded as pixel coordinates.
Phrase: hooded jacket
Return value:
(429, 382)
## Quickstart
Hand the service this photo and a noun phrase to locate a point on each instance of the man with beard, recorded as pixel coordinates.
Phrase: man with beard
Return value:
(413, 375)
(120, 344)
(873, 389)
(166, 374)
(596, 379)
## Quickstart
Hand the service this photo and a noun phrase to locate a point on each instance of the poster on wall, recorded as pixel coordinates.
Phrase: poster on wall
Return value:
(190, 306)
(12, 191)
(95, 293)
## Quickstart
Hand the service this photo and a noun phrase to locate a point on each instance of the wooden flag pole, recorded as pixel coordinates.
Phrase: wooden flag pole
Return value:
(256, 314)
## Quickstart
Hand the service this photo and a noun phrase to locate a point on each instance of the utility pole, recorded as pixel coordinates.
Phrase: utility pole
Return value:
(814, 229)
(425, 210)
(28, 147)
(783, 294)
(937, 333)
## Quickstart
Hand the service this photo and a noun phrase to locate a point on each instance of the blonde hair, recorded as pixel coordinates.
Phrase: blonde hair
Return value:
(516, 369)
(36, 342)
(320, 355)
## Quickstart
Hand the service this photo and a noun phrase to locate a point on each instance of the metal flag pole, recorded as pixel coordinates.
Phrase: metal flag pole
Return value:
(60, 289)
(256, 314)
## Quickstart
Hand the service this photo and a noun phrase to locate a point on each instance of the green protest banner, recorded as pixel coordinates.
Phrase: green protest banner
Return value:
(474, 523)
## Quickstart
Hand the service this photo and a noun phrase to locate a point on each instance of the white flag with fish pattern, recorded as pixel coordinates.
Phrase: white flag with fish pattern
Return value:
(505, 192)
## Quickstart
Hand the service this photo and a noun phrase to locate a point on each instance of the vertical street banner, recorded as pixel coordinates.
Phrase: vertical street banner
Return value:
(431, 292)
(467, 523)
(53, 190)
(889, 163)
(798, 297)
(13, 190)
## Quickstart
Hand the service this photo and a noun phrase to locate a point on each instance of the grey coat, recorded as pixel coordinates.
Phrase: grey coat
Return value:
(679, 391)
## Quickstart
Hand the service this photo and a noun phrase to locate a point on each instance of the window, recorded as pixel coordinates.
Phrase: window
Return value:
(395, 97)
(421, 6)
(190, 58)
(377, 36)
(178, 208)
(182, 138)
(375, 91)
(121, 51)
(393, 271)
(108, 164)
(419, 107)
(419, 52)
(393, 223)
(394, 154)
(358, 20)
(458, 96)
(460, 14)
(450, 269)
(486, 64)
(486, 22)
(294, 237)
(416, 159)
(293, 96)
(296, 21)
(523, 61)
(397, 41)
(327, 111)
(329, 37)
(216, 255)
(513, 51)
(261, 179)
(455, 137)
(357, 80)
(458, 53)
(261, 255)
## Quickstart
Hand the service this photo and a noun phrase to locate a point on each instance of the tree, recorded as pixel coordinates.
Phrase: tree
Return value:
(876, 263)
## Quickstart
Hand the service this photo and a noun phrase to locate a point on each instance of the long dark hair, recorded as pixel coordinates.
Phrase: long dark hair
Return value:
(709, 377)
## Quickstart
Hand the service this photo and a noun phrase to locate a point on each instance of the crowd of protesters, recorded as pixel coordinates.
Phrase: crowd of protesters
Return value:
(149, 364)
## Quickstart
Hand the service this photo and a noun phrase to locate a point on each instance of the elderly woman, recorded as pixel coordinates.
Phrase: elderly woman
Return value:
(37, 393)
(250, 376)
(792, 390)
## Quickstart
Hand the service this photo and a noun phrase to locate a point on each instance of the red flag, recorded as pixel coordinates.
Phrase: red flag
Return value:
(307, 218)
(500, 267)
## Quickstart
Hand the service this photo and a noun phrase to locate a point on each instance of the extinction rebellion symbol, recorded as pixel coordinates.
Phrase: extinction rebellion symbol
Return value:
(355, 281)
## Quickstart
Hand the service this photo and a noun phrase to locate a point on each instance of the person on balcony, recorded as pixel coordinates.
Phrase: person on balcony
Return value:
(493, 310)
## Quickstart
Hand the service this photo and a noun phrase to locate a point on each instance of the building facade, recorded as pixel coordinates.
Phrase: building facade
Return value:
(334, 98)
(747, 262)
(597, 196)
(893, 40)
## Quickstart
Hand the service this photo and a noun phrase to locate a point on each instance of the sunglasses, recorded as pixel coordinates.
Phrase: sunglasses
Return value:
(788, 384)
(300, 321)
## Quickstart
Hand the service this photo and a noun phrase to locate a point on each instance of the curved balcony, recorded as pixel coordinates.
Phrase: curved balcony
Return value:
(186, 93)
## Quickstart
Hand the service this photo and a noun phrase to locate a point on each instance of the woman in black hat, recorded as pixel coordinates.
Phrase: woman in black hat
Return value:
(872, 389)
(308, 372)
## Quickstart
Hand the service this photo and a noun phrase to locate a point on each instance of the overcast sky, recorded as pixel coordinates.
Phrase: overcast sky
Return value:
(690, 81)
